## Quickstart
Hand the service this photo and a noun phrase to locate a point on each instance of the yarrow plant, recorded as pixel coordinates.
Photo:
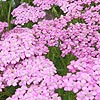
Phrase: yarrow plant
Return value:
(39, 39)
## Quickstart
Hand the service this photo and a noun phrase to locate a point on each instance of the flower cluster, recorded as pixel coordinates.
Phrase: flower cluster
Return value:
(25, 13)
(84, 78)
(48, 30)
(36, 76)
(92, 15)
(81, 40)
(18, 44)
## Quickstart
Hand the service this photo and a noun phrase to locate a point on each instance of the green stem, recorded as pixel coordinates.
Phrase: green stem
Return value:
(7, 93)
(9, 13)
(2, 7)
(55, 11)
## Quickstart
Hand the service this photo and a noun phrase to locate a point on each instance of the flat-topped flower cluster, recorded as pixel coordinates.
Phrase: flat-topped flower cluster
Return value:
(23, 50)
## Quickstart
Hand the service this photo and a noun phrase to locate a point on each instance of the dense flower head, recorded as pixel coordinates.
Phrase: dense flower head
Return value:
(18, 44)
(36, 76)
(84, 78)
(33, 70)
(25, 13)
(92, 15)
(81, 40)
(50, 31)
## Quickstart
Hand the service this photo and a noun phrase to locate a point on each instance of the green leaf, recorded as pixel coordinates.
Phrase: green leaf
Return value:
(77, 20)
(74, 21)
(56, 11)
(66, 95)
(7, 92)
(29, 24)
(93, 4)
(4, 6)
(99, 31)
